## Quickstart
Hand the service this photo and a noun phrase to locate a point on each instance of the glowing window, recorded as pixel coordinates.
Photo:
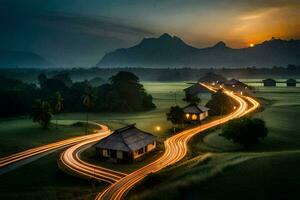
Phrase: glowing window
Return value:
(194, 117)
(187, 115)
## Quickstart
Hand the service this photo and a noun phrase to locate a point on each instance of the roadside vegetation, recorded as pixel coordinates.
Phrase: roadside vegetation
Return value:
(245, 131)
(220, 104)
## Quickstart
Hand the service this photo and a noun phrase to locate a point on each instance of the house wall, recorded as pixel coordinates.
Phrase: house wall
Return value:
(120, 155)
(144, 150)
(203, 115)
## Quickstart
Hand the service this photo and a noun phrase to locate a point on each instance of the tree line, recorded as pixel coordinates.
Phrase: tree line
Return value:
(123, 93)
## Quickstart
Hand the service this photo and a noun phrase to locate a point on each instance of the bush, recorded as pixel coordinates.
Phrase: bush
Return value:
(245, 131)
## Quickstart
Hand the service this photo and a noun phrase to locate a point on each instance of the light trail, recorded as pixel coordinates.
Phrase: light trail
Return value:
(9, 160)
(71, 161)
(175, 149)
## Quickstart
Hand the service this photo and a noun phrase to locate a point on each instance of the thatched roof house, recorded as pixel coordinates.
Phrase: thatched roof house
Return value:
(127, 143)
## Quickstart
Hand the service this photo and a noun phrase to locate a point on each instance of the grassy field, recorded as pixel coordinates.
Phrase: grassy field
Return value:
(218, 169)
(21, 134)
(164, 97)
(43, 180)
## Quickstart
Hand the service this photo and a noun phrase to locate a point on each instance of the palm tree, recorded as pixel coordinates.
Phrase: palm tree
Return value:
(89, 99)
(58, 105)
(41, 113)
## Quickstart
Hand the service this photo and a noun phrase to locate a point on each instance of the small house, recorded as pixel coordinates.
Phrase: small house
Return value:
(291, 82)
(195, 112)
(125, 144)
(269, 82)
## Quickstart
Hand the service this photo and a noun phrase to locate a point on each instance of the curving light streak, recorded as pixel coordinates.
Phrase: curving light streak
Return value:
(8, 160)
(71, 161)
(175, 149)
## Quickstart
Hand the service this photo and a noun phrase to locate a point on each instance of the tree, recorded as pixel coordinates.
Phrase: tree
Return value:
(192, 98)
(57, 105)
(125, 93)
(219, 104)
(41, 113)
(42, 79)
(245, 131)
(89, 99)
(175, 115)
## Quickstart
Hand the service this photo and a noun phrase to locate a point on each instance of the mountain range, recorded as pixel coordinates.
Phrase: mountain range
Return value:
(22, 59)
(171, 51)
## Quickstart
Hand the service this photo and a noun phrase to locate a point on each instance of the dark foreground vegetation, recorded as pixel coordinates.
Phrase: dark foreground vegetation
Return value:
(122, 93)
(245, 131)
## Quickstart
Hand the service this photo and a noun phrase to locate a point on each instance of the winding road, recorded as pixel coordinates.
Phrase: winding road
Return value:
(175, 149)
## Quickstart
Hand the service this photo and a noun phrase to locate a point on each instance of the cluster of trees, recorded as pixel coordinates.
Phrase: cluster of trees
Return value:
(123, 93)
(220, 104)
(245, 131)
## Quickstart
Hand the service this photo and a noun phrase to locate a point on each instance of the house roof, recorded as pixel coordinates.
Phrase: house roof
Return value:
(195, 89)
(235, 82)
(127, 139)
(195, 108)
(268, 80)
(291, 80)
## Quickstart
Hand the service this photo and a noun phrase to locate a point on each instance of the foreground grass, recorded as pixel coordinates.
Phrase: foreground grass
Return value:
(43, 180)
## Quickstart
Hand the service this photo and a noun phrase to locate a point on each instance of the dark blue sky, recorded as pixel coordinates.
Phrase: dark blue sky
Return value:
(75, 33)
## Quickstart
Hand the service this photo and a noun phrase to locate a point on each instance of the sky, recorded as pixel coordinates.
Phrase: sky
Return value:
(77, 33)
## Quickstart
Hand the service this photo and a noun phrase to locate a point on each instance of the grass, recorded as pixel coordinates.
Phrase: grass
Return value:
(218, 169)
(21, 134)
(163, 97)
(43, 180)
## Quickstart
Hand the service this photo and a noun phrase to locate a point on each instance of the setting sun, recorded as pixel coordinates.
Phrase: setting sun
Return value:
(251, 45)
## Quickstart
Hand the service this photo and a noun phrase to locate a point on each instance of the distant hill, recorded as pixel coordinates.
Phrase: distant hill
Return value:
(21, 59)
(168, 51)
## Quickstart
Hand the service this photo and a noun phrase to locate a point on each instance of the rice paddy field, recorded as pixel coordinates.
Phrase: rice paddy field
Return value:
(218, 169)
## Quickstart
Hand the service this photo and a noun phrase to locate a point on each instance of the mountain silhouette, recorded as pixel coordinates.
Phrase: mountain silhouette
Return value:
(171, 51)
(22, 59)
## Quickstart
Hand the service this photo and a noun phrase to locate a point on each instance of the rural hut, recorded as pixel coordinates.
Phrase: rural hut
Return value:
(269, 82)
(195, 112)
(291, 82)
(126, 144)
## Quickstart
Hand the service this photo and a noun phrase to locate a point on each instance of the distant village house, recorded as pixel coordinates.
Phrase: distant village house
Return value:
(126, 144)
(291, 82)
(269, 82)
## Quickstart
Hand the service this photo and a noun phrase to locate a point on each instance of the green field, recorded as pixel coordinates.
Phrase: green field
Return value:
(218, 169)
(42, 179)
(21, 134)
(214, 169)
(164, 97)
